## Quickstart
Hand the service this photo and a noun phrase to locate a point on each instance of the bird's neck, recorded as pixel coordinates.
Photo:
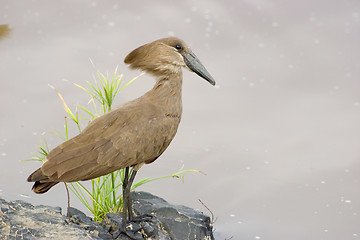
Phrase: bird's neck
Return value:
(167, 93)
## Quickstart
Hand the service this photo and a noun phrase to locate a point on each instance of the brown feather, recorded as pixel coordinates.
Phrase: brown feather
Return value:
(40, 187)
(42, 182)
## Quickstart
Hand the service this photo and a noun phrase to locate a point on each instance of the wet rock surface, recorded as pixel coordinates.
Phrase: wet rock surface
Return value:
(155, 219)
(160, 220)
(22, 220)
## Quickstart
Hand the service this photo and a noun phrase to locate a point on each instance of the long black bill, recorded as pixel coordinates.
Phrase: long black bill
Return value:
(195, 65)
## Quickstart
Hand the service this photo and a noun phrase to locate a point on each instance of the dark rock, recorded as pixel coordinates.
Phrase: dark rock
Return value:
(154, 219)
(157, 219)
(49, 209)
(21, 220)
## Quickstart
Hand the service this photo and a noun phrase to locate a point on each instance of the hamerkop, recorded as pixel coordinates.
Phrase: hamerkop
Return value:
(133, 134)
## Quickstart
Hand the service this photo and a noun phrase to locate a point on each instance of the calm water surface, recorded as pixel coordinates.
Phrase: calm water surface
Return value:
(278, 138)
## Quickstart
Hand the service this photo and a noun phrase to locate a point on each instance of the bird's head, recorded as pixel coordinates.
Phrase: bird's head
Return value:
(166, 56)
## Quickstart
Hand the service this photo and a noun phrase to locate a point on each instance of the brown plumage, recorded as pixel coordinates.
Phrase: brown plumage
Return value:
(134, 133)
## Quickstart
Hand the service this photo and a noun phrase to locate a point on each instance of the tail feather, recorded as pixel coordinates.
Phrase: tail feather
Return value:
(40, 187)
(37, 176)
(42, 183)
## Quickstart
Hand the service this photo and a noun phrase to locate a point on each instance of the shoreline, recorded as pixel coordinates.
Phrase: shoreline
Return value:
(159, 220)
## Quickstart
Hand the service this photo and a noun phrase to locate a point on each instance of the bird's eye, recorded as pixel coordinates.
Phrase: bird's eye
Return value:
(178, 47)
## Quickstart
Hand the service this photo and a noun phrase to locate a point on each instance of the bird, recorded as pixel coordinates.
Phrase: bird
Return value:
(132, 134)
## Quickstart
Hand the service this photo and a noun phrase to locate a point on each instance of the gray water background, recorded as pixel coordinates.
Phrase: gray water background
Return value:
(278, 138)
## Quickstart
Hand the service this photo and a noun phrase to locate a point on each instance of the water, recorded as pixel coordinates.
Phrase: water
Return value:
(278, 141)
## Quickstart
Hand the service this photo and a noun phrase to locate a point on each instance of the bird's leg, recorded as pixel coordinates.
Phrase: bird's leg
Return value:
(128, 188)
(68, 198)
(126, 178)
(127, 209)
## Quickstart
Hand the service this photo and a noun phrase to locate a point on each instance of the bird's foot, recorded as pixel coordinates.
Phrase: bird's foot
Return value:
(131, 231)
(133, 228)
(148, 217)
